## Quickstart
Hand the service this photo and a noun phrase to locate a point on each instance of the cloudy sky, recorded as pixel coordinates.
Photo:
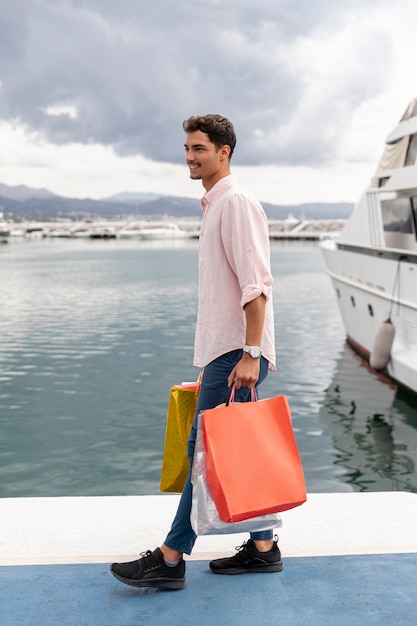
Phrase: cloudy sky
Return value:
(93, 92)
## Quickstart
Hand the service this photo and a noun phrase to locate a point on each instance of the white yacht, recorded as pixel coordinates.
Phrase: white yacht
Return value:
(373, 263)
(164, 230)
(4, 229)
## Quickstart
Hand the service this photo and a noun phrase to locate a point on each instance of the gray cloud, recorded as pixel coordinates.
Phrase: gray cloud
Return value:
(133, 70)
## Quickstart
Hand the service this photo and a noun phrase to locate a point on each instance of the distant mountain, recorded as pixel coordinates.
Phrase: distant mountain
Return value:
(309, 211)
(22, 193)
(172, 205)
(22, 203)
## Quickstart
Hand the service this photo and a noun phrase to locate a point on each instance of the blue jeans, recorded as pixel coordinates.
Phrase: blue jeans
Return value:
(213, 391)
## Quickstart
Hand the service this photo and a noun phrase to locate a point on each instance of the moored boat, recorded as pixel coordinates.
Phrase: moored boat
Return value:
(373, 263)
(4, 229)
(103, 233)
(131, 230)
(166, 230)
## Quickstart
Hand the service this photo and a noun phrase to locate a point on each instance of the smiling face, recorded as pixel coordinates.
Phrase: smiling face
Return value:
(206, 162)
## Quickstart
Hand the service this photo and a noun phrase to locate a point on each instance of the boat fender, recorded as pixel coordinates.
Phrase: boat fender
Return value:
(381, 352)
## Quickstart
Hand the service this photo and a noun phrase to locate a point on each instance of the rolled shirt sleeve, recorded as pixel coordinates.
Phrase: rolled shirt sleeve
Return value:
(245, 235)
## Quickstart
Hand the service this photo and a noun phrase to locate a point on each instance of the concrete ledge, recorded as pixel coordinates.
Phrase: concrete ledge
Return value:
(106, 529)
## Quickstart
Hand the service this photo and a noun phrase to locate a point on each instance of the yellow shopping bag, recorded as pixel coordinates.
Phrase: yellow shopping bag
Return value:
(181, 410)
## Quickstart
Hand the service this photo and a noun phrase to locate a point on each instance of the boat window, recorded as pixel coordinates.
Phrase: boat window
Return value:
(396, 215)
(394, 155)
(414, 212)
(370, 310)
(410, 111)
(352, 299)
(410, 158)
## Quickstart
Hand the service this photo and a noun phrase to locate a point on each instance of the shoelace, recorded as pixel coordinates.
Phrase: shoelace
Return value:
(149, 562)
(243, 552)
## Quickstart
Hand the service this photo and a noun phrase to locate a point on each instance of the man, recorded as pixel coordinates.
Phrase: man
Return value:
(234, 340)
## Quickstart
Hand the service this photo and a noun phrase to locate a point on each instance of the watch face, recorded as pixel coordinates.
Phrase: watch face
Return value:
(254, 351)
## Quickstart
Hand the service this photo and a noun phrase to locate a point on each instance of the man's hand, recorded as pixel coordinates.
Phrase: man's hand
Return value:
(245, 373)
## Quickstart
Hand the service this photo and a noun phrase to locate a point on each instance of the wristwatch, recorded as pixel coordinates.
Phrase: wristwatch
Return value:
(254, 351)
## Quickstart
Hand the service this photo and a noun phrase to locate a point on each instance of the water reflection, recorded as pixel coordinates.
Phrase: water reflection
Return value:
(373, 427)
(93, 336)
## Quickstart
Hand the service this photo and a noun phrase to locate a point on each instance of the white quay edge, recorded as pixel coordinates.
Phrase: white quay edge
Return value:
(104, 529)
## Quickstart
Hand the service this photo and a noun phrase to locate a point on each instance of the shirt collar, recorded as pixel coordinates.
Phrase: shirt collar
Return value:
(215, 191)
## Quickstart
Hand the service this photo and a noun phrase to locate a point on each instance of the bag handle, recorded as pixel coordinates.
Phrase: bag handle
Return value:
(231, 395)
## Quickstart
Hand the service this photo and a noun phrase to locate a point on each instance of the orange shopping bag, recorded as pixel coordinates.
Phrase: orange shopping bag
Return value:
(253, 464)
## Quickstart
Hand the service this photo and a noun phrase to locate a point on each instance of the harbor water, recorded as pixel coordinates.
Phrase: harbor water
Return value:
(94, 333)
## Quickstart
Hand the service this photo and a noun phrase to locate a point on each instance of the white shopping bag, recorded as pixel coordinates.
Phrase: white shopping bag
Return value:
(204, 516)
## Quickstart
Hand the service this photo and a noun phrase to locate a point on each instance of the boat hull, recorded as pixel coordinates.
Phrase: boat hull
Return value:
(371, 286)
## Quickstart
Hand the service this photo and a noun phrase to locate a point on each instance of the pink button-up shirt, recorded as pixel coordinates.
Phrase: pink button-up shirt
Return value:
(234, 269)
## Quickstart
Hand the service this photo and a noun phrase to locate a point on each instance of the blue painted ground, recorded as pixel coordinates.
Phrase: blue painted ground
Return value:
(342, 590)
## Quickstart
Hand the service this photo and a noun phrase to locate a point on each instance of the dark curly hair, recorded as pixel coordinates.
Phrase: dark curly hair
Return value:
(218, 128)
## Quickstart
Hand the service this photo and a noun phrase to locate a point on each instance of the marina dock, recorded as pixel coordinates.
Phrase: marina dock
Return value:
(290, 229)
(349, 558)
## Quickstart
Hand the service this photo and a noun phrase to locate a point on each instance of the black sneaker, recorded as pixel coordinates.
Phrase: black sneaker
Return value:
(150, 571)
(249, 559)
